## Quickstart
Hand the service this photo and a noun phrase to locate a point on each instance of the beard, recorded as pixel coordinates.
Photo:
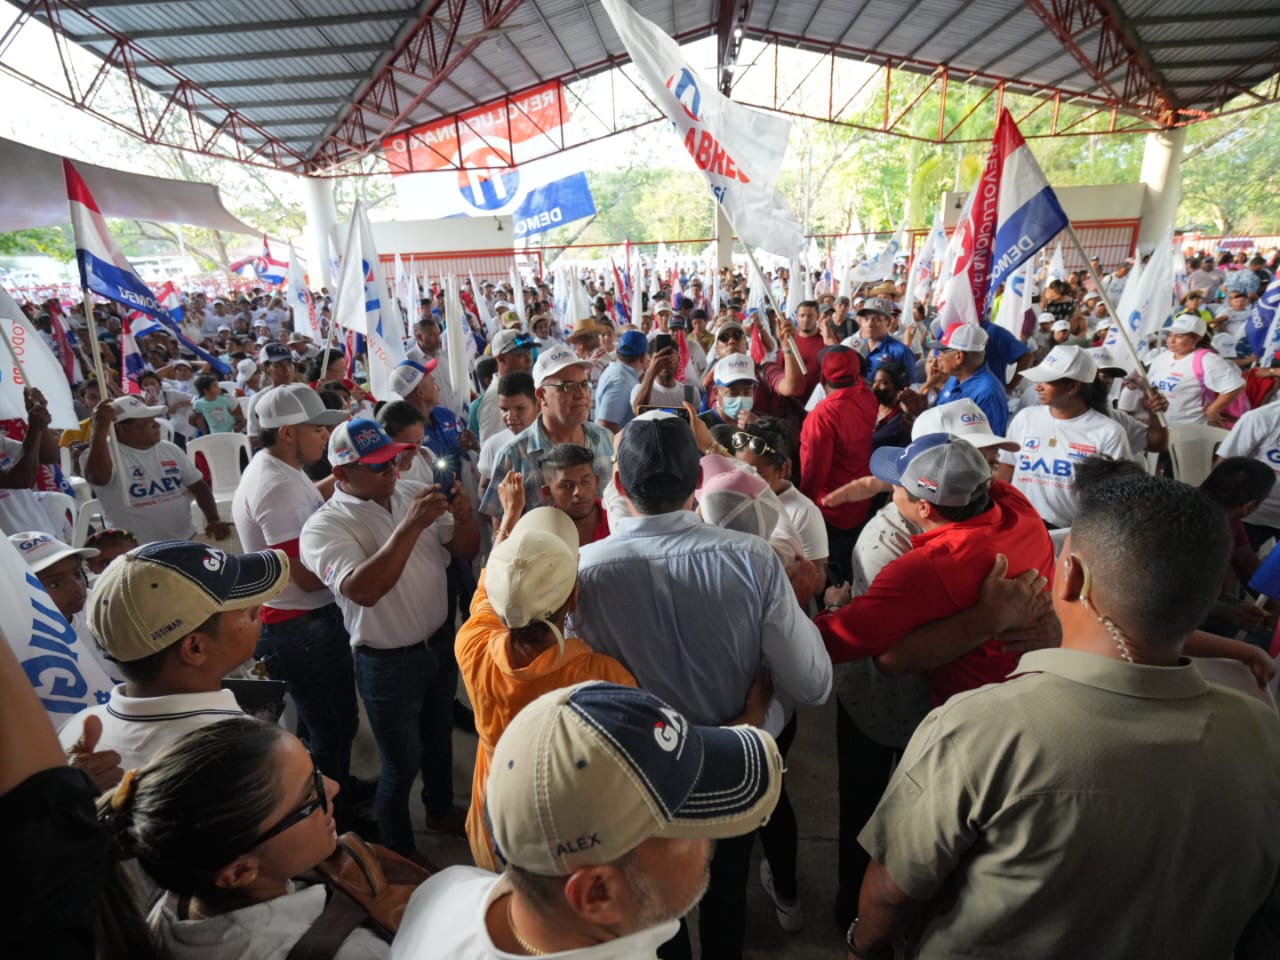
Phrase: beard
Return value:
(653, 907)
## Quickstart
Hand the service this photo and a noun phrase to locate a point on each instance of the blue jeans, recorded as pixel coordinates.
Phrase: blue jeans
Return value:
(408, 693)
(312, 654)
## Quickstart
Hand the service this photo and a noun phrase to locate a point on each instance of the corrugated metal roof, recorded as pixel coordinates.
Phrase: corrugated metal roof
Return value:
(245, 51)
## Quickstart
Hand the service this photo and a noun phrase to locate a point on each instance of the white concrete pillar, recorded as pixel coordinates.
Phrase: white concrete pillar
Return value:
(724, 239)
(322, 221)
(1162, 177)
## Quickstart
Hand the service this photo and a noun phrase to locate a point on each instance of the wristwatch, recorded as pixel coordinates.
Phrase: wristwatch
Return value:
(880, 953)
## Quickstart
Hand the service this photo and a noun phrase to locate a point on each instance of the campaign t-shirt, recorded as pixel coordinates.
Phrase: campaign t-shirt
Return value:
(272, 502)
(1045, 466)
(1257, 435)
(1175, 377)
(152, 503)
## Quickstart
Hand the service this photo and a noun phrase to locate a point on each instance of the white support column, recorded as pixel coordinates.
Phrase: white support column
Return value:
(322, 220)
(1162, 177)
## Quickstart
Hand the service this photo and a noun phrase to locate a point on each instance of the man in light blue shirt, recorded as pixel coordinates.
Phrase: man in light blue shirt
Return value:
(694, 611)
(613, 392)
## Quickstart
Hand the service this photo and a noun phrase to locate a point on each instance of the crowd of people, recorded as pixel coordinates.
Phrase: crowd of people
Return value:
(626, 562)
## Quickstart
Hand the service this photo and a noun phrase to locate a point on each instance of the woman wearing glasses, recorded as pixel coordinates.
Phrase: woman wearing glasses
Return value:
(225, 819)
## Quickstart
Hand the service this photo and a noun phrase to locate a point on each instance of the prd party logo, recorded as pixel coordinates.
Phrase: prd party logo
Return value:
(707, 152)
(488, 189)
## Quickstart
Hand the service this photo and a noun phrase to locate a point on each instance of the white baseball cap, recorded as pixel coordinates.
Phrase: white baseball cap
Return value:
(964, 419)
(735, 368)
(42, 550)
(552, 361)
(132, 408)
(968, 337)
(1188, 323)
(1064, 362)
(1060, 325)
(532, 573)
(245, 370)
(408, 374)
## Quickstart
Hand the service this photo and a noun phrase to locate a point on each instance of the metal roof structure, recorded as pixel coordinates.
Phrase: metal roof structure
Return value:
(312, 85)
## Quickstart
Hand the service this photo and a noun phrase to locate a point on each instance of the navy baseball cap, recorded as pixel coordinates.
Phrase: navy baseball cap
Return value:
(937, 467)
(585, 774)
(362, 441)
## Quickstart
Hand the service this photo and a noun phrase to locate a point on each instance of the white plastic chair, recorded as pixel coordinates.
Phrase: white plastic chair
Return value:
(244, 406)
(89, 513)
(1191, 449)
(230, 386)
(222, 452)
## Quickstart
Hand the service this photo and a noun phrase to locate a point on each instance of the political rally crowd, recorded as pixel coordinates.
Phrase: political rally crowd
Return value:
(627, 554)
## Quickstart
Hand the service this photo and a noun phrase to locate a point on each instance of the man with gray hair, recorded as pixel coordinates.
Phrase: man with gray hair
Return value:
(1106, 800)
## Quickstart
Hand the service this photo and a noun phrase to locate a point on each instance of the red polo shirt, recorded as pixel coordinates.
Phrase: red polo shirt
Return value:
(835, 447)
(939, 576)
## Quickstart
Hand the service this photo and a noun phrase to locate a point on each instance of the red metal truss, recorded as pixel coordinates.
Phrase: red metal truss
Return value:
(1121, 72)
(427, 55)
(211, 128)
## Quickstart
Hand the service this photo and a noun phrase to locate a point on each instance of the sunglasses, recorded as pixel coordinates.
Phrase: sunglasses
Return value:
(730, 335)
(319, 802)
(757, 445)
(375, 467)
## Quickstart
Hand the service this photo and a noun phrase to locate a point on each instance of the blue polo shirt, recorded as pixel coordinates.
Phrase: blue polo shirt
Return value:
(1003, 349)
(442, 435)
(986, 391)
(890, 348)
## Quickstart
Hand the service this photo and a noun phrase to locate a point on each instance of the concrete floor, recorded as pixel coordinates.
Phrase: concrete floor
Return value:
(811, 784)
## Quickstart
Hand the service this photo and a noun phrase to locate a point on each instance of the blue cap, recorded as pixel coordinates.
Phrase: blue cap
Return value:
(633, 344)
(362, 441)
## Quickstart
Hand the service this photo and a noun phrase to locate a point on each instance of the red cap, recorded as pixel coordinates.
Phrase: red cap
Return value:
(840, 365)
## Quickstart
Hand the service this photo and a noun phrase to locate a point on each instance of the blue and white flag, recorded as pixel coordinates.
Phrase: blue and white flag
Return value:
(1263, 318)
(106, 271)
(66, 676)
(1029, 214)
(360, 304)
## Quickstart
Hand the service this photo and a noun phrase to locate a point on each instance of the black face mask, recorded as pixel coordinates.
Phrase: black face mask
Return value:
(885, 396)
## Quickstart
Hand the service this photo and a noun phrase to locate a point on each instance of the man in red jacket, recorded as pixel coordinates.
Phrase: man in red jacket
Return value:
(835, 447)
(943, 485)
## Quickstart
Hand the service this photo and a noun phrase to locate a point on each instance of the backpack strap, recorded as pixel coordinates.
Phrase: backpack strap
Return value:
(325, 936)
(1207, 396)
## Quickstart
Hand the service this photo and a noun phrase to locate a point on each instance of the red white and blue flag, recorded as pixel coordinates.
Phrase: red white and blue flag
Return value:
(264, 266)
(106, 271)
(132, 366)
(170, 298)
(623, 289)
(1009, 217)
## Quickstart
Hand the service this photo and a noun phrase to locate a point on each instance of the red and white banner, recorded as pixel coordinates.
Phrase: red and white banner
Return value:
(498, 134)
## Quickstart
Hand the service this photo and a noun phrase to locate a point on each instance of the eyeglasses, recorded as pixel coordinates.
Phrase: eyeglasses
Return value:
(757, 445)
(319, 802)
(571, 386)
(729, 335)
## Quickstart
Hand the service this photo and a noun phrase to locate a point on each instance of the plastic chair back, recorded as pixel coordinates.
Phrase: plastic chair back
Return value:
(1191, 449)
(223, 455)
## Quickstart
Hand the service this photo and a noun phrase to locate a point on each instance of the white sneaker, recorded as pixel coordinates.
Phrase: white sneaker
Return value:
(790, 916)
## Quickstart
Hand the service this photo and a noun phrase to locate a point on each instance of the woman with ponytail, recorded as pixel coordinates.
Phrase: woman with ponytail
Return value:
(225, 819)
(513, 648)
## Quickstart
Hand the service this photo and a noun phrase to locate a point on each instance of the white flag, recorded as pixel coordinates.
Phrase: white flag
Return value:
(881, 267)
(1016, 299)
(304, 307)
(1155, 298)
(487, 320)
(517, 296)
(1057, 266)
(740, 150)
(35, 366)
(456, 335)
(360, 306)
